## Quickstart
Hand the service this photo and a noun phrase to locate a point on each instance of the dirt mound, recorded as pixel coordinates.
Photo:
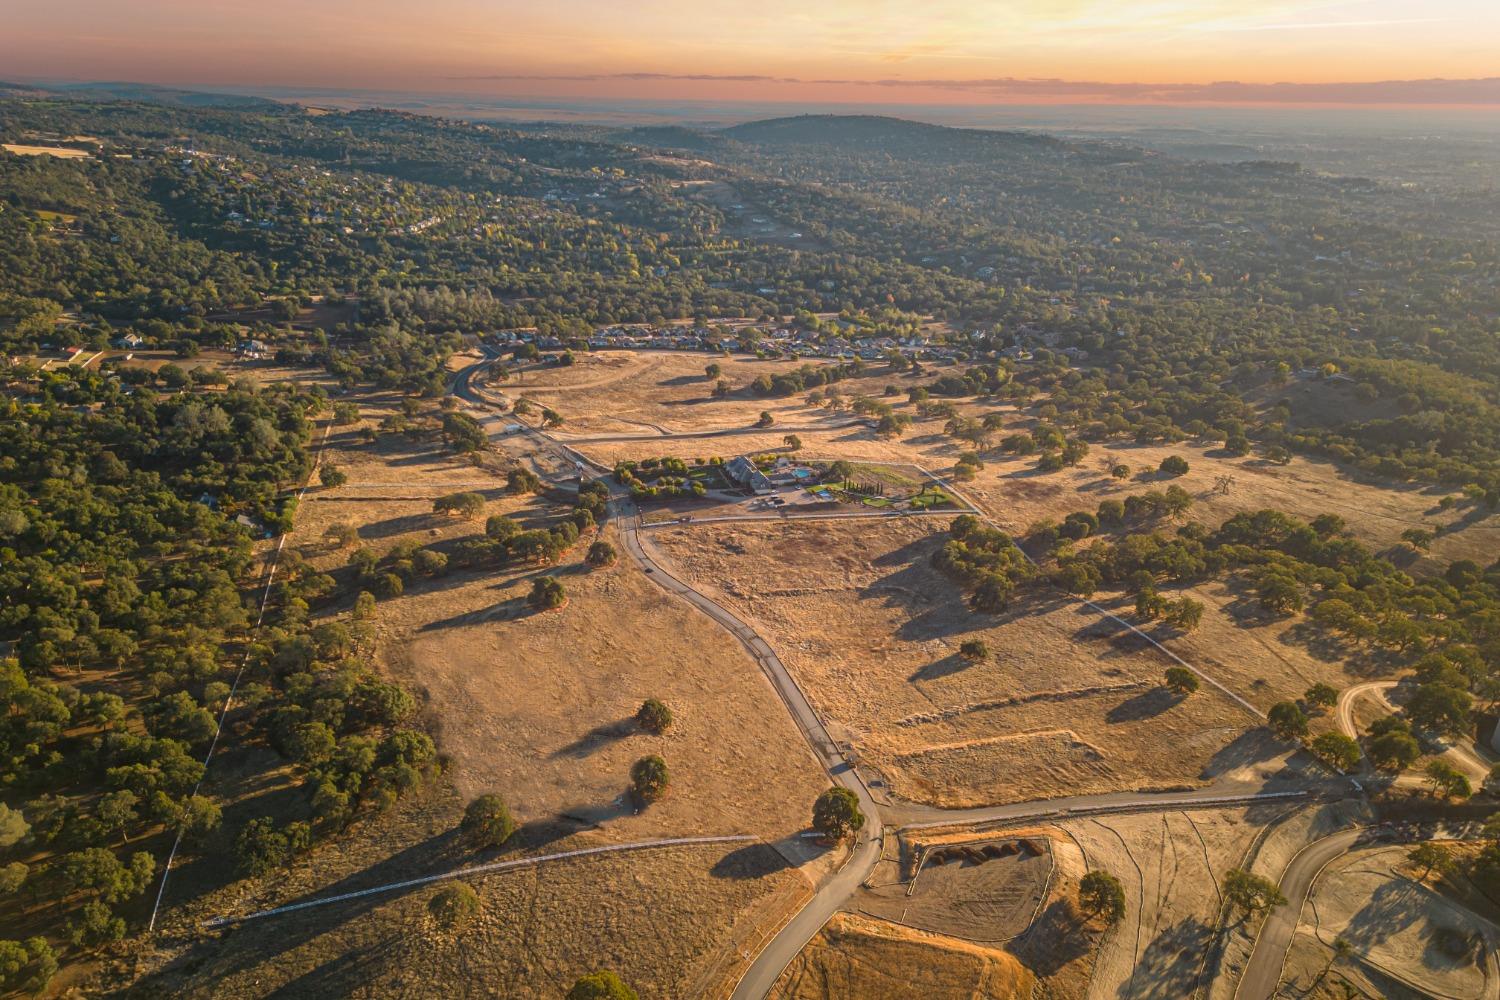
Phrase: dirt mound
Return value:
(855, 956)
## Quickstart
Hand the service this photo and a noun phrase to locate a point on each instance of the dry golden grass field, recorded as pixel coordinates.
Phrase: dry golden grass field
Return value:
(1065, 705)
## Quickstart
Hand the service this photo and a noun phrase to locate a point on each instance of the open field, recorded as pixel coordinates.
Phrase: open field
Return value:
(669, 392)
(872, 633)
(856, 956)
(659, 393)
(61, 152)
(542, 706)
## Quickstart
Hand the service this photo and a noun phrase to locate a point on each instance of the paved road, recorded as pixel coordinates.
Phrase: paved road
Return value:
(1263, 972)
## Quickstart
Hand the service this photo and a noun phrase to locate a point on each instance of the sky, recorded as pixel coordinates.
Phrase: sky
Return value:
(876, 51)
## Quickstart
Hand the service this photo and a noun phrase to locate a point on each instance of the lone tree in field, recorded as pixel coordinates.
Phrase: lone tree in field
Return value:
(487, 821)
(766, 420)
(1447, 781)
(974, 650)
(331, 476)
(463, 504)
(653, 716)
(1250, 893)
(1101, 895)
(522, 480)
(1337, 751)
(713, 370)
(454, 905)
(546, 593)
(792, 442)
(1287, 721)
(601, 554)
(1181, 680)
(1393, 751)
(1321, 695)
(836, 813)
(1432, 857)
(602, 985)
(648, 778)
(1173, 465)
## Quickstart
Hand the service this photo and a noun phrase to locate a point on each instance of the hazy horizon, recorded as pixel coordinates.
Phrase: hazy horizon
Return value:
(1355, 52)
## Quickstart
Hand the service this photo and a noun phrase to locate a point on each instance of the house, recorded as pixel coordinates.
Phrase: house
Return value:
(252, 349)
(127, 341)
(743, 472)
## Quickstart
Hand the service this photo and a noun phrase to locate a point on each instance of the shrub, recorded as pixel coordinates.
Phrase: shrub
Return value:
(546, 593)
(648, 778)
(1393, 752)
(487, 821)
(1321, 695)
(1447, 781)
(1250, 893)
(602, 985)
(601, 554)
(836, 813)
(1337, 751)
(454, 905)
(974, 650)
(1287, 721)
(1181, 680)
(1173, 465)
(463, 504)
(1100, 894)
(653, 716)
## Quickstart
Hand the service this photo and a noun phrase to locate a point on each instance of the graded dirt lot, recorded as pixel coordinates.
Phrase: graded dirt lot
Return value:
(1066, 702)
(982, 890)
(855, 956)
(1401, 929)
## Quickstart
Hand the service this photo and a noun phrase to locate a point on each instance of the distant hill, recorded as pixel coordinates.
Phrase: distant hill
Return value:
(145, 93)
(670, 137)
(890, 135)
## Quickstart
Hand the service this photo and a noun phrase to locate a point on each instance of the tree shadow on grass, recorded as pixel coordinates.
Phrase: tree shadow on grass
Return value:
(752, 861)
(1146, 705)
(1168, 968)
(1054, 939)
(937, 669)
(241, 947)
(595, 738)
(513, 609)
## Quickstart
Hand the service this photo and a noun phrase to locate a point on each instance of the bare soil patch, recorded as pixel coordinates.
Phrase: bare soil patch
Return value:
(855, 956)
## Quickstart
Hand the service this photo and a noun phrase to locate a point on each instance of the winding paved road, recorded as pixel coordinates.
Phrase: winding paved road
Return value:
(1263, 972)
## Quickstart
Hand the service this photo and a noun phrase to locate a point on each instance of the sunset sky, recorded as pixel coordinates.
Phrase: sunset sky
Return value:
(946, 51)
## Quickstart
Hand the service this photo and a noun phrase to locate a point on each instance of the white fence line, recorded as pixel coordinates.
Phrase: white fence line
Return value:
(265, 596)
(498, 866)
